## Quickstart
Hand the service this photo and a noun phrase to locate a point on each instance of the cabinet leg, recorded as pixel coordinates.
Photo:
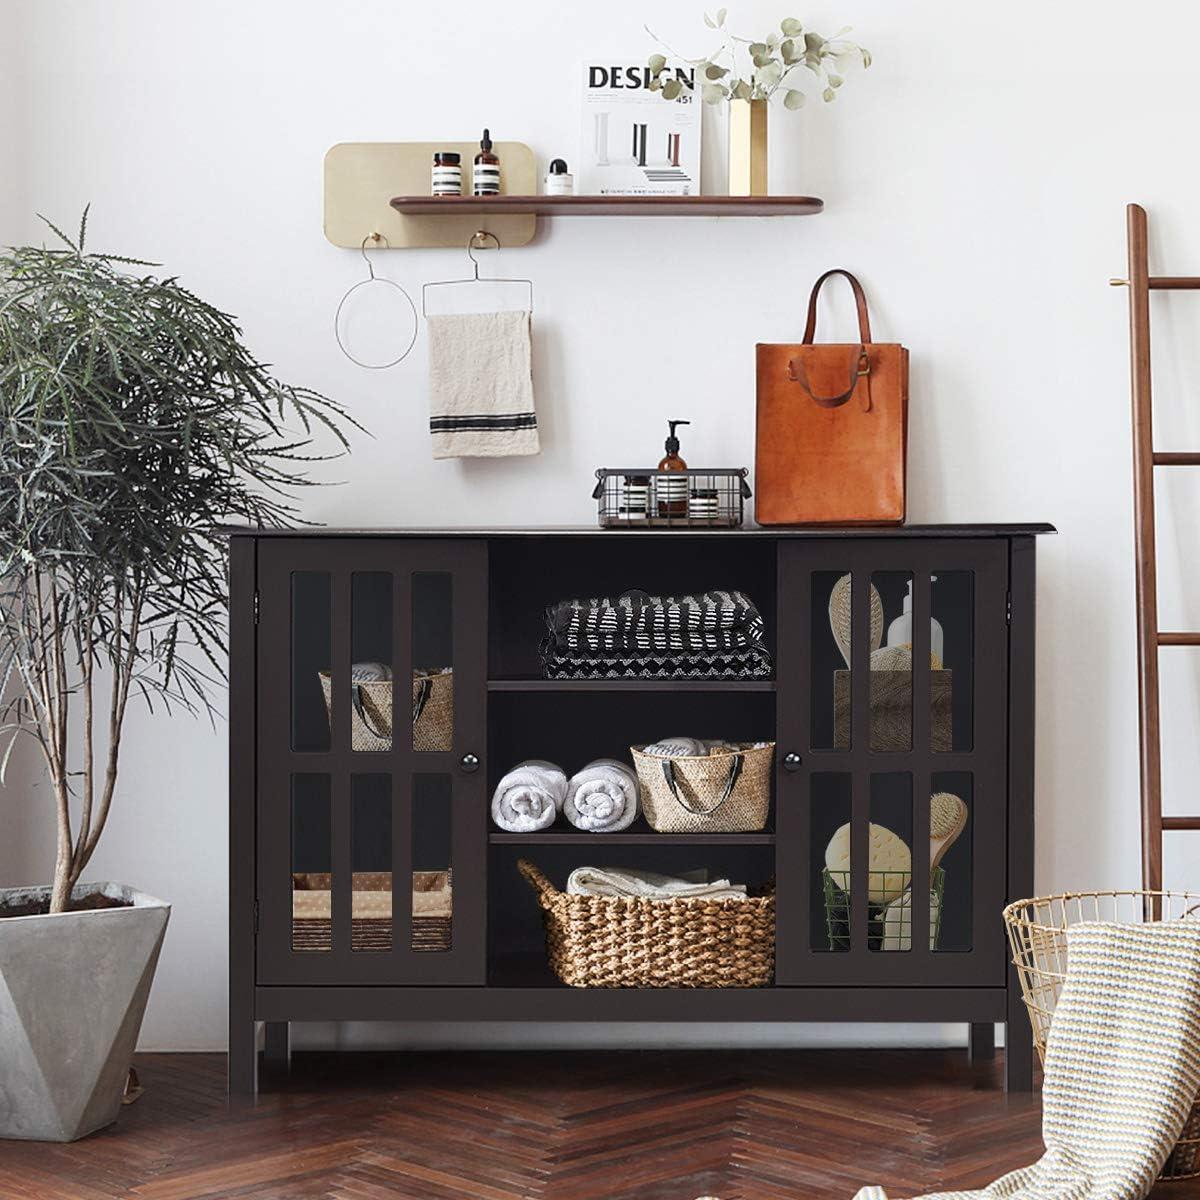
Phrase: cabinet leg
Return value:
(243, 1058)
(1018, 1040)
(278, 1048)
(981, 1046)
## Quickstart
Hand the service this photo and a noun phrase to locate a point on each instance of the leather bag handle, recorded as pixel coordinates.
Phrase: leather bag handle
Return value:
(860, 366)
(860, 302)
(698, 810)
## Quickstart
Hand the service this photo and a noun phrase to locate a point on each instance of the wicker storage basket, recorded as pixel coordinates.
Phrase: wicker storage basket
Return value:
(727, 791)
(891, 707)
(371, 721)
(1037, 932)
(371, 919)
(615, 942)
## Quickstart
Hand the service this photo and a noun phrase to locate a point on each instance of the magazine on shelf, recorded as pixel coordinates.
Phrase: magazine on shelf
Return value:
(635, 143)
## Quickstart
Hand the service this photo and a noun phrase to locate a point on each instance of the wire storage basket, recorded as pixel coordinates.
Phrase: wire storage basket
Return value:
(1037, 933)
(642, 498)
(889, 924)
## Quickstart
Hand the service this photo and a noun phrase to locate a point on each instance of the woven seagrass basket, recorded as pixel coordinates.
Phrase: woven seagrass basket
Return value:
(371, 719)
(615, 941)
(726, 791)
(1037, 932)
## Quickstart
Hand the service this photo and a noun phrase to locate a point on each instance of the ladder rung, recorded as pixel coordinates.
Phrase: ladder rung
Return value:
(1175, 458)
(1175, 283)
(1179, 639)
(1181, 822)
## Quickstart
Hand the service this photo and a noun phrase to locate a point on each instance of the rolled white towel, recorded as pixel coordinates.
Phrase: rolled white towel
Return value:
(529, 797)
(678, 747)
(603, 797)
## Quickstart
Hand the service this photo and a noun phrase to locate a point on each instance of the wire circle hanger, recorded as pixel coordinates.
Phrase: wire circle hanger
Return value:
(362, 283)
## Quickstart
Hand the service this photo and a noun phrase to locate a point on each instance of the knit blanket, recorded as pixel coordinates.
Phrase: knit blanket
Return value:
(731, 664)
(635, 621)
(1122, 1066)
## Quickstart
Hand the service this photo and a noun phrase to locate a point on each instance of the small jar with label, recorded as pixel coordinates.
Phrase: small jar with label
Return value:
(703, 504)
(447, 173)
(635, 498)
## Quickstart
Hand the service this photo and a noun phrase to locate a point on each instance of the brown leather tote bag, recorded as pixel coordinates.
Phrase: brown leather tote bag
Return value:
(832, 439)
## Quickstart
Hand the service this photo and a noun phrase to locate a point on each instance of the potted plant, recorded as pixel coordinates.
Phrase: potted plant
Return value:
(133, 422)
(747, 73)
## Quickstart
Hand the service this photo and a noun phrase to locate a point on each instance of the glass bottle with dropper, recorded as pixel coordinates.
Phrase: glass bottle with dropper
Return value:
(485, 173)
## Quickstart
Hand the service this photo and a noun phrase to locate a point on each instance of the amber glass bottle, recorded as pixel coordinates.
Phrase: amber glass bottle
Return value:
(672, 493)
(485, 173)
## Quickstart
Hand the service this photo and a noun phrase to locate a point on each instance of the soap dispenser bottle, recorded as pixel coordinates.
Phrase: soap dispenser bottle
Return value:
(672, 492)
(900, 631)
(485, 173)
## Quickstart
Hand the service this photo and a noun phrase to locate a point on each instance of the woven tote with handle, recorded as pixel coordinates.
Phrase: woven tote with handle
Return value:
(1037, 933)
(725, 791)
(371, 721)
(619, 941)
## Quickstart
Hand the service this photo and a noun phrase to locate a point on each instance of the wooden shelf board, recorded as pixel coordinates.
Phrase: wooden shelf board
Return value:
(631, 685)
(609, 206)
(639, 837)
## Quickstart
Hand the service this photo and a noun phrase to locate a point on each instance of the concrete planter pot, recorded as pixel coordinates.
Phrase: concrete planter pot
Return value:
(73, 989)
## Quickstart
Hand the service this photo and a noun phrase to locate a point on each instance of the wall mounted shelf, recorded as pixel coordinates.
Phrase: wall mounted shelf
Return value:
(608, 206)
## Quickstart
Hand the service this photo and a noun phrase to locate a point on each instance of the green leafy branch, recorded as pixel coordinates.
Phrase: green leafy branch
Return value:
(743, 68)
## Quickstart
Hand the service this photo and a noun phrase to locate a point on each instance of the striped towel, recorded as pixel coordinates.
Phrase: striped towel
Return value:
(635, 621)
(481, 385)
(1122, 1066)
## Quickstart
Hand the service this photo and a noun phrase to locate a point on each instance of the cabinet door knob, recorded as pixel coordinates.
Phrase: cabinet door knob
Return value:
(791, 761)
(469, 763)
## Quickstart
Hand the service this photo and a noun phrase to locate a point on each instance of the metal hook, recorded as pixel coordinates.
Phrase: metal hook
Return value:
(376, 238)
(479, 235)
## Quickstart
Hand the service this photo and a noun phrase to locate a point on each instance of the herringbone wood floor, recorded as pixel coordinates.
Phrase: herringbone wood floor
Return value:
(580, 1126)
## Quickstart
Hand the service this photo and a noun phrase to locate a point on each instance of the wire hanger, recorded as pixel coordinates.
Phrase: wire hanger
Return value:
(480, 235)
(370, 279)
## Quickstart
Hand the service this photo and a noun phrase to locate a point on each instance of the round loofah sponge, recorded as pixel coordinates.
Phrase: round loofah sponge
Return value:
(889, 863)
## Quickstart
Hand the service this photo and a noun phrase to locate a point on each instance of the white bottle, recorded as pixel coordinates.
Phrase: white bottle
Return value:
(900, 630)
(559, 181)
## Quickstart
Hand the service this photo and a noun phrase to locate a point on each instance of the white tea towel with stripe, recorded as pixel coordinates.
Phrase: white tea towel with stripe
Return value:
(1122, 1066)
(481, 385)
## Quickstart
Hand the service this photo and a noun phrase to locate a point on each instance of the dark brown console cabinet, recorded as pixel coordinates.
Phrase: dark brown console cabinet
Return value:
(315, 822)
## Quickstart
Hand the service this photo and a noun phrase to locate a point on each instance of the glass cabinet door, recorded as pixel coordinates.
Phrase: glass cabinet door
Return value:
(371, 732)
(893, 726)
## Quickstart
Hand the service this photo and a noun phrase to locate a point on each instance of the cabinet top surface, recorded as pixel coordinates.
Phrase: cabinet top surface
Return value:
(858, 531)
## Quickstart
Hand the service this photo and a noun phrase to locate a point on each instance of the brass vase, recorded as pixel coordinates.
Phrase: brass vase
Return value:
(748, 147)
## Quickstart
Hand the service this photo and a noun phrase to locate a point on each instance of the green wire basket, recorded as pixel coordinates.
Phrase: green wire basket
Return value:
(889, 926)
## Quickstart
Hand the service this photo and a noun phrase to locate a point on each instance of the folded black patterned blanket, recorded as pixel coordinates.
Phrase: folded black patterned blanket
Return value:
(636, 622)
(754, 663)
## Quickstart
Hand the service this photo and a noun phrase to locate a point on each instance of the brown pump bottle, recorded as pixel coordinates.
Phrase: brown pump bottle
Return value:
(672, 493)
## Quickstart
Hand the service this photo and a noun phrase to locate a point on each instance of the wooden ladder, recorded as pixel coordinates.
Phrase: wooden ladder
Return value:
(1149, 637)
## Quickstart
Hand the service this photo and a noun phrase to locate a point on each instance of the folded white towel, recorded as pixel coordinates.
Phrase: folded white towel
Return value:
(603, 797)
(646, 885)
(678, 747)
(529, 797)
(481, 385)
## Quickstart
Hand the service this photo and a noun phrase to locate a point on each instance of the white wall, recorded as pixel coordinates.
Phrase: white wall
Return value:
(975, 178)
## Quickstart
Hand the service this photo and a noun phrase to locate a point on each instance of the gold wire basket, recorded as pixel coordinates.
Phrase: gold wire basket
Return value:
(1037, 932)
